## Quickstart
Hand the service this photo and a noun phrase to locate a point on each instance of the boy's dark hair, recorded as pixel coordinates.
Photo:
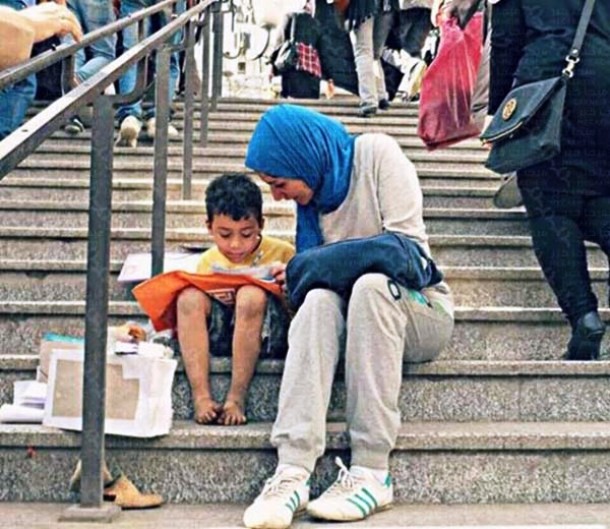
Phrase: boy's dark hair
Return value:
(236, 196)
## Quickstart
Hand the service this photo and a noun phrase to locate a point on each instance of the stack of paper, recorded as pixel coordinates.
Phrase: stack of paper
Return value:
(28, 403)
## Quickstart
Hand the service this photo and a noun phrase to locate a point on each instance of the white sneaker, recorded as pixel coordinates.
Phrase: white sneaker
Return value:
(354, 496)
(129, 132)
(284, 496)
(151, 129)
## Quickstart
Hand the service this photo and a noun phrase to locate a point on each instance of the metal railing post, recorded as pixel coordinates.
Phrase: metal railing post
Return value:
(96, 318)
(205, 80)
(218, 50)
(162, 104)
(189, 103)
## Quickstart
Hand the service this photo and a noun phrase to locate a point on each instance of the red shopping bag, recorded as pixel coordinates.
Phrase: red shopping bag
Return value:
(445, 115)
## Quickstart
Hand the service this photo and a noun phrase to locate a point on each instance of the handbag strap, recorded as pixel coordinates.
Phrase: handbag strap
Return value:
(574, 56)
(294, 23)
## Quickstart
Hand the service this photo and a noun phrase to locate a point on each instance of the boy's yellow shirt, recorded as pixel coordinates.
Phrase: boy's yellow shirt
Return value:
(270, 250)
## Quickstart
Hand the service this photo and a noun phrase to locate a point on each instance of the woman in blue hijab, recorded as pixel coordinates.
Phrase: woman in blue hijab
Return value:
(291, 142)
(345, 187)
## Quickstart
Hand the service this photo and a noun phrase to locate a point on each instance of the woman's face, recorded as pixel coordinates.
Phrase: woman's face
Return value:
(288, 189)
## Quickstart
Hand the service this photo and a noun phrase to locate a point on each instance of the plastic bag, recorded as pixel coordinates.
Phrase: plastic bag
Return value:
(445, 115)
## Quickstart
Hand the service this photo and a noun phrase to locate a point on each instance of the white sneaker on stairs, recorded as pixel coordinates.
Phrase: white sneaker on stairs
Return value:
(129, 132)
(354, 496)
(151, 129)
(284, 496)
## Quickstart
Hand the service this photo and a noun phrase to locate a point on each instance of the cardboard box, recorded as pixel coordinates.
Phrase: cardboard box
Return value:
(48, 344)
(138, 394)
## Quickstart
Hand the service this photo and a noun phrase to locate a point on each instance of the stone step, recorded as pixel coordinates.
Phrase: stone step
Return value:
(481, 333)
(433, 462)
(66, 150)
(432, 176)
(441, 391)
(135, 190)
(234, 156)
(23, 243)
(229, 516)
(65, 280)
(279, 217)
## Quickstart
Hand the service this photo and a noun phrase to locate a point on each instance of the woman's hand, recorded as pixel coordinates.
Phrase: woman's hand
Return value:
(485, 125)
(278, 271)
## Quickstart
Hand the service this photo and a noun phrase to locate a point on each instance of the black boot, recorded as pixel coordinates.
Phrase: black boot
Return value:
(586, 338)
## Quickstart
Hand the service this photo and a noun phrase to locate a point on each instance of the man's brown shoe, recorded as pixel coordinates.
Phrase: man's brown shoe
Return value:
(126, 495)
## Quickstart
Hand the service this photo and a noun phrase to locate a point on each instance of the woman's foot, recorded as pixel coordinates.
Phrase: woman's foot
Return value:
(207, 410)
(586, 338)
(232, 413)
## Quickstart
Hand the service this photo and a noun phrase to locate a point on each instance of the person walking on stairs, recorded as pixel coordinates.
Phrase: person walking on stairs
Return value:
(567, 198)
(336, 178)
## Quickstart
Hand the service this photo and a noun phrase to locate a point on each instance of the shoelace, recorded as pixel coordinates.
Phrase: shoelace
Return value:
(345, 482)
(280, 484)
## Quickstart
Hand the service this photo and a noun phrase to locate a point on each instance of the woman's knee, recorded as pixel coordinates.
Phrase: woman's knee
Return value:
(193, 300)
(372, 285)
(250, 302)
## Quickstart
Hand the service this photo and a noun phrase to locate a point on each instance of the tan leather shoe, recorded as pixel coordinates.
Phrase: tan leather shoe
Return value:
(126, 495)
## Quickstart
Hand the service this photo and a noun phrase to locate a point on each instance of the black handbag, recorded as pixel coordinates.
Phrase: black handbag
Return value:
(287, 56)
(526, 129)
(338, 265)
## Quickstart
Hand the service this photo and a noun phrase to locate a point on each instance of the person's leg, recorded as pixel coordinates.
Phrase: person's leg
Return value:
(315, 340)
(381, 29)
(386, 324)
(15, 99)
(363, 55)
(174, 62)
(194, 308)
(128, 81)
(559, 247)
(596, 222)
(250, 305)
(95, 14)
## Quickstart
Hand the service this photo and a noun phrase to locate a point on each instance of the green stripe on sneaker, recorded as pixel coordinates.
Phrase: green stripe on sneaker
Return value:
(364, 513)
(371, 497)
(298, 498)
(369, 507)
(289, 506)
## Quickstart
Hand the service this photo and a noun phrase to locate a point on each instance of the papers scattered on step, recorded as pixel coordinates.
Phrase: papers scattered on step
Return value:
(29, 398)
(138, 266)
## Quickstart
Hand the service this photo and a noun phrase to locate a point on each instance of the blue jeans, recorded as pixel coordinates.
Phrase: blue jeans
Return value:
(92, 15)
(130, 38)
(15, 99)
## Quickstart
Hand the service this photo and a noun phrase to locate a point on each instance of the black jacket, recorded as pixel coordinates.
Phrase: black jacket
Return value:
(530, 39)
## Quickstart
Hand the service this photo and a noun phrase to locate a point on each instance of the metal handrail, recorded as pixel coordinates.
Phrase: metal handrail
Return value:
(23, 141)
(40, 62)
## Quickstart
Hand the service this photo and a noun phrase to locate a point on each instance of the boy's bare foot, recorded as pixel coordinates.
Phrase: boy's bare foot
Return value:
(207, 410)
(232, 414)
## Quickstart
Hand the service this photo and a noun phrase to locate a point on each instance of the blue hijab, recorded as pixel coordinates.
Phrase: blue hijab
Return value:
(294, 142)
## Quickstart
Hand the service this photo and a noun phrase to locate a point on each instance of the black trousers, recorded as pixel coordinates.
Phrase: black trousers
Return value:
(560, 223)
(300, 85)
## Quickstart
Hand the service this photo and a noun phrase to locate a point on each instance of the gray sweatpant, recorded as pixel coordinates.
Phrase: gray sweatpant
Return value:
(384, 325)
(369, 40)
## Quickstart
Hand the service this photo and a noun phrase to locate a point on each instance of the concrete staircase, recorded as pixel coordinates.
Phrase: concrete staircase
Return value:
(499, 418)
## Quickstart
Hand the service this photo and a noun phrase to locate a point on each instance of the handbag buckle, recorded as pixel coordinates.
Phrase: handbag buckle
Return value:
(568, 71)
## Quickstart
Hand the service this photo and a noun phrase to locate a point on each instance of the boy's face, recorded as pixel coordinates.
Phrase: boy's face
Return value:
(236, 239)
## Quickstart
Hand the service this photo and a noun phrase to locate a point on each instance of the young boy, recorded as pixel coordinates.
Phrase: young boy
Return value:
(256, 324)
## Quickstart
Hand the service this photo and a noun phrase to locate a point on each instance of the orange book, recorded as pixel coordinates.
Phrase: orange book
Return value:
(157, 296)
